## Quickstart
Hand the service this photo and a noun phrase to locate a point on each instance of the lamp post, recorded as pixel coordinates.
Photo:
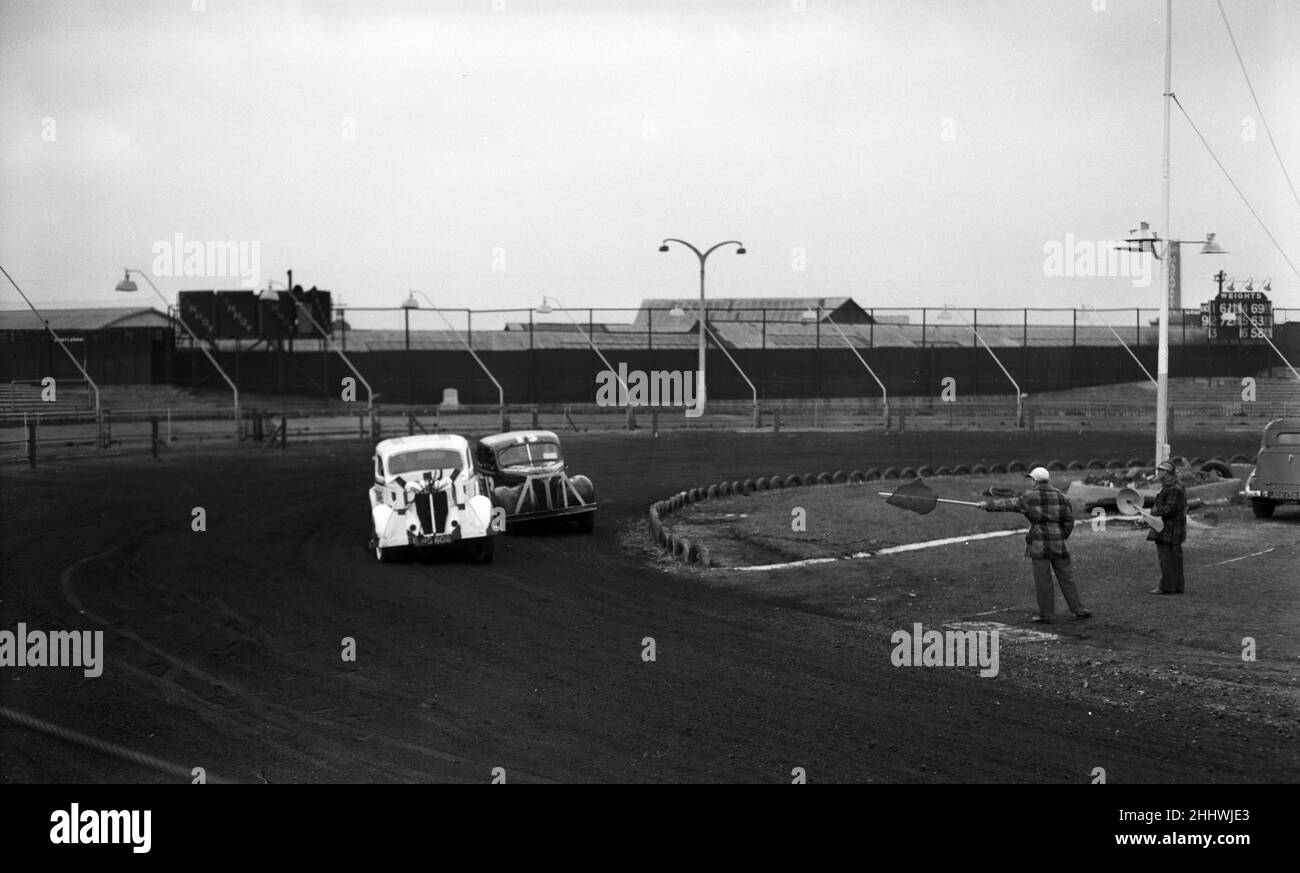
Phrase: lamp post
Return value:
(884, 395)
(1250, 286)
(370, 394)
(99, 443)
(1093, 309)
(753, 389)
(127, 286)
(702, 391)
(546, 308)
(411, 303)
(1144, 239)
(1020, 409)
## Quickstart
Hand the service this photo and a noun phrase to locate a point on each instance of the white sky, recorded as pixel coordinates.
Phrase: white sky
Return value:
(576, 136)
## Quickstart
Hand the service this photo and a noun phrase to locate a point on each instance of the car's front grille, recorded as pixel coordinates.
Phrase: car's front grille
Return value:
(424, 509)
(439, 499)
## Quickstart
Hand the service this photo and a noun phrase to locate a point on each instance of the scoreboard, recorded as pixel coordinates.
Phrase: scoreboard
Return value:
(1225, 317)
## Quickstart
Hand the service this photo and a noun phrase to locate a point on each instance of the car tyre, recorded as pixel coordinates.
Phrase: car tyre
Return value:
(587, 522)
(1262, 507)
(484, 550)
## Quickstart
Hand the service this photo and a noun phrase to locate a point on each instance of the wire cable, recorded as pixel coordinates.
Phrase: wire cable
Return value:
(1234, 185)
(1258, 108)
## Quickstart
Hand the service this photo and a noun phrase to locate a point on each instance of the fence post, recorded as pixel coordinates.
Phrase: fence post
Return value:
(654, 421)
(107, 425)
(776, 420)
(284, 431)
(902, 419)
(31, 443)
(534, 416)
(153, 436)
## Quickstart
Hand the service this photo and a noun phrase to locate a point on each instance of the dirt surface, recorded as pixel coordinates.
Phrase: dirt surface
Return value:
(223, 647)
(1176, 657)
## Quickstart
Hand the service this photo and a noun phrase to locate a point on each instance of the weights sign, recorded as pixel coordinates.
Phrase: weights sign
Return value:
(1230, 314)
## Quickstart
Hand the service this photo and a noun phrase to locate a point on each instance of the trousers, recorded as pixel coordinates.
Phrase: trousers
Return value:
(1043, 569)
(1171, 567)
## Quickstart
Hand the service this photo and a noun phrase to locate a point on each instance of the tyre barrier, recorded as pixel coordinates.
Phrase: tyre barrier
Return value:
(1075, 466)
(1135, 462)
(1197, 462)
(1115, 464)
(683, 549)
(1055, 466)
(1218, 467)
(1240, 459)
(1096, 464)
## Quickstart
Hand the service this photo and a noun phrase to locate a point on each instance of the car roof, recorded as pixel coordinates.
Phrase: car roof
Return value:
(388, 448)
(517, 438)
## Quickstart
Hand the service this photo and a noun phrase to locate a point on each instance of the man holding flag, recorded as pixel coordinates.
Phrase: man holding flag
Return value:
(1051, 520)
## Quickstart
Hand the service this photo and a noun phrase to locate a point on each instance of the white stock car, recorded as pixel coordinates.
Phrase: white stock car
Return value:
(427, 494)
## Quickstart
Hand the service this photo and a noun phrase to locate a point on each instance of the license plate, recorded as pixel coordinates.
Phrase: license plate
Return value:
(441, 539)
(1284, 495)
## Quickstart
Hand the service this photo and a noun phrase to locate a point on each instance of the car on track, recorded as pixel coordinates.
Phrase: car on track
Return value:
(529, 478)
(1276, 477)
(427, 494)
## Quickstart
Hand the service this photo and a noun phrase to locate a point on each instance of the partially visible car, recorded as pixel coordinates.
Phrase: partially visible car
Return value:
(1276, 478)
(427, 494)
(529, 478)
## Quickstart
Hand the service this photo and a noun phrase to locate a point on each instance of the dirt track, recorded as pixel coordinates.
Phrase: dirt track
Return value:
(223, 648)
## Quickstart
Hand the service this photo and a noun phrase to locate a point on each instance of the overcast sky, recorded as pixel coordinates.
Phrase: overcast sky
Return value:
(904, 153)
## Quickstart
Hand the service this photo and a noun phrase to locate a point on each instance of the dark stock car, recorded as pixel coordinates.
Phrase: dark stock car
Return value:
(1276, 478)
(527, 477)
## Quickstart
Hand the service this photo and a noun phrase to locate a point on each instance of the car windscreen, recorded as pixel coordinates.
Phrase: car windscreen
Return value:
(1288, 439)
(425, 459)
(528, 454)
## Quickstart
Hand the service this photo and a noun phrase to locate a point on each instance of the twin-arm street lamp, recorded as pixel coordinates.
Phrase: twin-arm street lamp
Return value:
(1144, 239)
(701, 391)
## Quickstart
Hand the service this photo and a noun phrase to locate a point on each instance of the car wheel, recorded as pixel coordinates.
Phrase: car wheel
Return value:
(587, 522)
(1261, 507)
(484, 549)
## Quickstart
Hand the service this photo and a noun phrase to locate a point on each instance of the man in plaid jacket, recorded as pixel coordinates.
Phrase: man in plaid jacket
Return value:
(1170, 507)
(1051, 520)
